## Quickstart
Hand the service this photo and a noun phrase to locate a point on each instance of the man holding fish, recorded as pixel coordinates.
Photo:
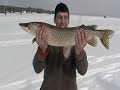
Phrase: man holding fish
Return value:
(60, 72)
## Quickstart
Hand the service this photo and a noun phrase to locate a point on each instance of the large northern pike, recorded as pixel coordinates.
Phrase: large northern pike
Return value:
(66, 36)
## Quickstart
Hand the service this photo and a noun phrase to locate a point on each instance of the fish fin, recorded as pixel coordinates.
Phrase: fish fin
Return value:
(66, 51)
(93, 42)
(34, 39)
(94, 26)
(107, 34)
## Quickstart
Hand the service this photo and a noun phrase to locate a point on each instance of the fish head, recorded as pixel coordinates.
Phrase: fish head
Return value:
(30, 27)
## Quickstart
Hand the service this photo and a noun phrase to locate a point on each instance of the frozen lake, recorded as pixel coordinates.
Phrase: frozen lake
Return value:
(17, 52)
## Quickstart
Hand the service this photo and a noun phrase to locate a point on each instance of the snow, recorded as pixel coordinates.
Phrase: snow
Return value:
(17, 52)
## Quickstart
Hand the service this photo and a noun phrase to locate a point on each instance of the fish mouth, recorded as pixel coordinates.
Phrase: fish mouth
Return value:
(24, 24)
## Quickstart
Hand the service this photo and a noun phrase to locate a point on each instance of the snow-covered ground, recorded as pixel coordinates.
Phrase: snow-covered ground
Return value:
(17, 52)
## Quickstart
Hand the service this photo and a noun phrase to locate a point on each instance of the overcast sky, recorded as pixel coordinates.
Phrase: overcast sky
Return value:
(82, 7)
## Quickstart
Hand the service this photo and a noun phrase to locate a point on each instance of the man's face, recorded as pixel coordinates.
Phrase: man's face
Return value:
(62, 19)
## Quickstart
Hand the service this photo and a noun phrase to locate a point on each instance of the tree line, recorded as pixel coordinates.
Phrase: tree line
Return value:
(13, 9)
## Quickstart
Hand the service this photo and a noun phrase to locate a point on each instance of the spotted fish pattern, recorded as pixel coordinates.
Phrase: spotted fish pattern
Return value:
(65, 37)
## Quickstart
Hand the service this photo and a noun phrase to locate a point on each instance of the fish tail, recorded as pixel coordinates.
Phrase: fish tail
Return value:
(107, 34)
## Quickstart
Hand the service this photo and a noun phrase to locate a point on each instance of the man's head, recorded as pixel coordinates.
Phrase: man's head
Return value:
(61, 18)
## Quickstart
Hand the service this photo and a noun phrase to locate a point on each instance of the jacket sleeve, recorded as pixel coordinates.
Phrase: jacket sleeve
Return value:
(38, 62)
(81, 62)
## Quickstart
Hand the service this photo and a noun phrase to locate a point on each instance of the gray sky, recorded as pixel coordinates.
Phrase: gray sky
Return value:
(82, 7)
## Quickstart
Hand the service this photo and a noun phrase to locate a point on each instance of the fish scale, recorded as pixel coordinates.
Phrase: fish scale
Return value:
(60, 38)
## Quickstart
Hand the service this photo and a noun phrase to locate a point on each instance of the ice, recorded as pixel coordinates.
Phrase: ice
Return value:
(17, 52)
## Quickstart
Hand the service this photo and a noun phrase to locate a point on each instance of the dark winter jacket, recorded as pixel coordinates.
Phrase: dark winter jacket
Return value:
(60, 73)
